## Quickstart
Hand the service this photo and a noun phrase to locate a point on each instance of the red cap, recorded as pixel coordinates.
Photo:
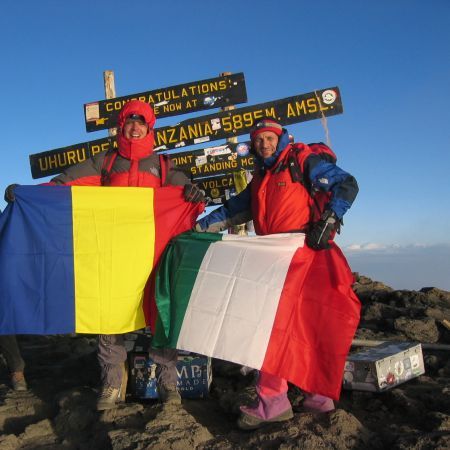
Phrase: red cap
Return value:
(138, 108)
(266, 125)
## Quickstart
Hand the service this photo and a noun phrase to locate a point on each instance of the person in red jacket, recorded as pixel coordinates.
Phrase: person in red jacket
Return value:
(281, 198)
(133, 163)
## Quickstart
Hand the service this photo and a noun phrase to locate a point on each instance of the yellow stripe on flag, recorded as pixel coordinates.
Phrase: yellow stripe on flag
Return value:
(113, 236)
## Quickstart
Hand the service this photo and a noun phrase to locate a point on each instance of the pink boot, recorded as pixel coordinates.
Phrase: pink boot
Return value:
(268, 410)
(273, 404)
(316, 403)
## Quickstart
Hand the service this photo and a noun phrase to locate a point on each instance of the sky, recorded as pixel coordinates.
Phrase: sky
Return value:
(389, 58)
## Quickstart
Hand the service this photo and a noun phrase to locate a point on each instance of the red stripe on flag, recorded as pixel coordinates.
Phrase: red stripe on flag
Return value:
(315, 322)
(173, 216)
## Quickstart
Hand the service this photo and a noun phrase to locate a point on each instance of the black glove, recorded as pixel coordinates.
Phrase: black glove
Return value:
(320, 233)
(193, 194)
(9, 193)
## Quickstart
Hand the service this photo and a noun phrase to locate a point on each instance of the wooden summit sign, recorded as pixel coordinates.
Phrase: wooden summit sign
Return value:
(221, 125)
(172, 100)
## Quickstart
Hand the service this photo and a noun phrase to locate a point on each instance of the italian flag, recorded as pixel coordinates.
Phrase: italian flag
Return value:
(266, 302)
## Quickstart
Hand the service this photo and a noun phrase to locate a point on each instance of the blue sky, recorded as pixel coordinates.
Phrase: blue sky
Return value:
(390, 59)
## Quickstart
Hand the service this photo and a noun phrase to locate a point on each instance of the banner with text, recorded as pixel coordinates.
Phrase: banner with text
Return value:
(171, 101)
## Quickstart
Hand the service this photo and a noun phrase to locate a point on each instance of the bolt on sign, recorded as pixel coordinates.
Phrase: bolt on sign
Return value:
(222, 159)
(221, 125)
(171, 101)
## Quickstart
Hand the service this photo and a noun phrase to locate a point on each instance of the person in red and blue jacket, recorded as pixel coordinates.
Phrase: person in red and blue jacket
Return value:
(278, 204)
(295, 188)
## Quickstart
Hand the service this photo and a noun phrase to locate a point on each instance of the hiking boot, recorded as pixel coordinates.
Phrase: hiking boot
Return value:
(316, 403)
(248, 422)
(169, 395)
(108, 398)
(18, 381)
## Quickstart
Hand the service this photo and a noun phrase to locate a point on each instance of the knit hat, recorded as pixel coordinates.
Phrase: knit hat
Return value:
(266, 124)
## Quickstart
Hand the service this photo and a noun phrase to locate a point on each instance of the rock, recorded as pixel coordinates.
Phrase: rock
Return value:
(9, 442)
(437, 421)
(58, 412)
(418, 330)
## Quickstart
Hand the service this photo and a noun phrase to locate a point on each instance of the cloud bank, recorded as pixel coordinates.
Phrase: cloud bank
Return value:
(402, 267)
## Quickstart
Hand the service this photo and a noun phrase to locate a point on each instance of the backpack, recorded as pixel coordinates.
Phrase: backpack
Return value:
(319, 198)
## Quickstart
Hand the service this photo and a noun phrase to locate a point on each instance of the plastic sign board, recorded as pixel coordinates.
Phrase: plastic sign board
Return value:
(171, 101)
(221, 125)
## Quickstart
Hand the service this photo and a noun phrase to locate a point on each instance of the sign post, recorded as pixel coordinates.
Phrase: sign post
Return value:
(110, 92)
(240, 179)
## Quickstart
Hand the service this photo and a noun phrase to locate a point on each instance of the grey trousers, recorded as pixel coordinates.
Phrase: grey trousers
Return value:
(10, 350)
(112, 354)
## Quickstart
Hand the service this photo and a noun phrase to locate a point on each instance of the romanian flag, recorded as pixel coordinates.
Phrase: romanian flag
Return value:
(266, 302)
(77, 259)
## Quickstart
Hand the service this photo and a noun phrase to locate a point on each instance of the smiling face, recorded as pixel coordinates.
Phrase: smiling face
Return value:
(135, 128)
(265, 144)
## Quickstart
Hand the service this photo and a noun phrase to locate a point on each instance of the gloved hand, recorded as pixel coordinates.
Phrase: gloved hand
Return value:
(193, 194)
(9, 193)
(320, 233)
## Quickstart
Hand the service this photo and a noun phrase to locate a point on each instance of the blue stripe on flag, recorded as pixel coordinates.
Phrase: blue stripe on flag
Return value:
(36, 262)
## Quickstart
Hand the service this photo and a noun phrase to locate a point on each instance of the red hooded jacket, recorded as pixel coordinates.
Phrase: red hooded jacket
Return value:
(133, 163)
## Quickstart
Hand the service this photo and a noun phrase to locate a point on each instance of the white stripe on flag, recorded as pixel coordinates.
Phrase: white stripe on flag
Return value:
(235, 297)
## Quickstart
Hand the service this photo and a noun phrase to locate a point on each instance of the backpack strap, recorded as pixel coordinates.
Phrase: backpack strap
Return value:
(319, 199)
(108, 162)
(164, 167)
(294, 167)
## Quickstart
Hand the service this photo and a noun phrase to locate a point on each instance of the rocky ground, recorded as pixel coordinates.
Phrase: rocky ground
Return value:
(58, 412)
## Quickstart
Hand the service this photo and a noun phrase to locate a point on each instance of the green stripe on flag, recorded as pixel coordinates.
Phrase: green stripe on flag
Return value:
(188, 250)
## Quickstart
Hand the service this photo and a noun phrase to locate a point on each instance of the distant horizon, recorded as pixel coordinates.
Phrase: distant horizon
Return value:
(410, 267)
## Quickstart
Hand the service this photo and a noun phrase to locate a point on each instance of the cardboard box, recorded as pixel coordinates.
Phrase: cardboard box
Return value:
(379, 368)
(194, 375)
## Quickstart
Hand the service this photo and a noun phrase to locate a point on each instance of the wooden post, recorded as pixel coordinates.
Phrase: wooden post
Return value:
(241, 229)
(110, 92)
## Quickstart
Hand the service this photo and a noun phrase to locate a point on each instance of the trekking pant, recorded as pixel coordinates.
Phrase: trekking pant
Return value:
(273, 400)
(272, 397)
(10, 350)
(112, 355)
